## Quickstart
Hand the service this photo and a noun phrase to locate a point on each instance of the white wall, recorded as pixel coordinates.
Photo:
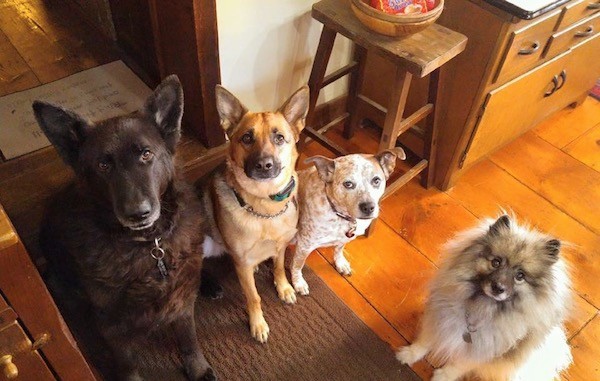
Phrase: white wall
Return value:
(267, 48)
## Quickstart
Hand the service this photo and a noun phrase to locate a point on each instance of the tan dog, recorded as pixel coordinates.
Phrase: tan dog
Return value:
(338, 201)
(252, 199)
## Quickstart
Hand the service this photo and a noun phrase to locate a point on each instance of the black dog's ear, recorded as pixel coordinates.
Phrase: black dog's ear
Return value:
(387, 159)
(553, 247)
(325, 167)
(165, 108)
(230, 109)
(501, 223)
(65, 129)
(294, 110)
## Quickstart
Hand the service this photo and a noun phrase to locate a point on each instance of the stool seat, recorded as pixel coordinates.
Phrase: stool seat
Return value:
(418, 54)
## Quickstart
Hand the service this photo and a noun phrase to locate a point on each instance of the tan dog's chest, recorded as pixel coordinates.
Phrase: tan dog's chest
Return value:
(251, 239)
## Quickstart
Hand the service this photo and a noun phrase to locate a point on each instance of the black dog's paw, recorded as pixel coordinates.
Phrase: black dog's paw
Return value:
(210, 286)
(208, 376)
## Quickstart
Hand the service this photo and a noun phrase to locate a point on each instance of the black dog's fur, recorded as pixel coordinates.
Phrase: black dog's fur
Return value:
(100, 231)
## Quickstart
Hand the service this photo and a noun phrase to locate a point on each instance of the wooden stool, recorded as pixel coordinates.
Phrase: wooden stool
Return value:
(418, 54)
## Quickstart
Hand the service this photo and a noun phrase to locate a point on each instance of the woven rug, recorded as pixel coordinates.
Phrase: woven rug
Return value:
(318, 338)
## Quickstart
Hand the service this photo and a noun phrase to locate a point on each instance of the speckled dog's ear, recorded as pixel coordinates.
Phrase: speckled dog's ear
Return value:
(387, 159)
(325, 167)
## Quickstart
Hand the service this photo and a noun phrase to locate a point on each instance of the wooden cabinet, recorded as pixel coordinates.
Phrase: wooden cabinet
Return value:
(512, 74)
(35, 343)
(492, 94)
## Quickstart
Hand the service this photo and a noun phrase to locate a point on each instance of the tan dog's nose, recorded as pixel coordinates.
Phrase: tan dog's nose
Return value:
(264, 163)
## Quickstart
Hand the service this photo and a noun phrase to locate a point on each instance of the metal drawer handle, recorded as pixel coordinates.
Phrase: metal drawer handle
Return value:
(525, 52)
(563, 76)
(594, 5)
(555, 82)
(587, 32)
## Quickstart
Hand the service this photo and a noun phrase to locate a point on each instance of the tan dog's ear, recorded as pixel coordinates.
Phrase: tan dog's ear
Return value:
(230, 109)
(325, 167)
(387, 159)
(294, 110)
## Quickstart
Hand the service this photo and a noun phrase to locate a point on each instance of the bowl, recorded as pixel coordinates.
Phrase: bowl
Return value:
(395, 25)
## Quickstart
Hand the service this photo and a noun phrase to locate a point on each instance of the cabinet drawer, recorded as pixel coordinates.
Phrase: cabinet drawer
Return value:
(577, 10)
(563, 40)
(30, 365)
(512, 108)
(525, 47)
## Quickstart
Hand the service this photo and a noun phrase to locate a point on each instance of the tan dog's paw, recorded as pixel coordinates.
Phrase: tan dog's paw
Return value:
(444, 374)
(410, 354)
(260, 329)
(286, 293)
(343, 266)
(301, 286)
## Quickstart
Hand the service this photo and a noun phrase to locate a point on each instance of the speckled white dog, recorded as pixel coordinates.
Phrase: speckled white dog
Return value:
(338, 201)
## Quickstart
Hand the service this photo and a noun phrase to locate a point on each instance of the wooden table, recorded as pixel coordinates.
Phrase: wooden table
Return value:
(419, 54)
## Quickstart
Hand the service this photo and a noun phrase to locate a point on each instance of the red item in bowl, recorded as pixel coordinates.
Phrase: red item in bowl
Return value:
(403, 6)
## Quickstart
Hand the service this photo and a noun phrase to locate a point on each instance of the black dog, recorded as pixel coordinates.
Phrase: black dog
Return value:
(128, 230)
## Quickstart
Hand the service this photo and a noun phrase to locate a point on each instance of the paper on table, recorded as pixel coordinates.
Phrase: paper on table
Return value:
(98, 93)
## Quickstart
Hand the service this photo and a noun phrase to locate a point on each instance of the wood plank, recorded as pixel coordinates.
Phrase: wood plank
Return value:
(415, 212)
(362, 308)
(568, 124)
(486, 188)
(586, 148)
(585, 348)
(15, 74)
(384, 261)
(554, 175)
(44, 55)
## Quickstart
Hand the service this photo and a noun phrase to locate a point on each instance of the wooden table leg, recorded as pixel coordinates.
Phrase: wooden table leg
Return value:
(356, 79)
(395, 109)
(431, 131)
(315, 81)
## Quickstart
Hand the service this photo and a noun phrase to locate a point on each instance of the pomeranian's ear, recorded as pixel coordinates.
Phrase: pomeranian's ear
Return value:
(325, 167)
(553, 247)
(501, 223)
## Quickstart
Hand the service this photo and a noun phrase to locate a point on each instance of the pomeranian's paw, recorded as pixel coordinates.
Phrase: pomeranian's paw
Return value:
(343, 266)
(301, 286)
(410, 354)
(445, 374)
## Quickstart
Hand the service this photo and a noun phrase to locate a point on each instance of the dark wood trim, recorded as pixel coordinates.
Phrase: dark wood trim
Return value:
(186, 42)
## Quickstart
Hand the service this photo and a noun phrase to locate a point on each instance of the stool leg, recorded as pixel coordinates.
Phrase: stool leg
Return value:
(431, 133)
(395, 109)
(356, 79)
(315, 81)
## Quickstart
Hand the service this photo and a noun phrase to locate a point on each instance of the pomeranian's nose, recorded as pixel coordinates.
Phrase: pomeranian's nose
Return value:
(498, 288)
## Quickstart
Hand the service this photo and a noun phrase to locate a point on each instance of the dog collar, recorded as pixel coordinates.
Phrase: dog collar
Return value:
(286, 192)
(248, 208)
(351, 232)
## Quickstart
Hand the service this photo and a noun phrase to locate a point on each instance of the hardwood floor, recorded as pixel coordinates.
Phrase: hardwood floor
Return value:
(550, 177)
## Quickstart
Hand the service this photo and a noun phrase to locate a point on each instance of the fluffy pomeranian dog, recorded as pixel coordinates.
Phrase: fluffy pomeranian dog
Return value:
(496, 307)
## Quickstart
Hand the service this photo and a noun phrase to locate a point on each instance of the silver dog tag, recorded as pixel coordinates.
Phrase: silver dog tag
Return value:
(158, 253)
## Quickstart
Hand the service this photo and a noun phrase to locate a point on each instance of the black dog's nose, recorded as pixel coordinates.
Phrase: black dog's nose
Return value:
(139, 213)
(264, 163)
(498, 288)
(367, 207)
